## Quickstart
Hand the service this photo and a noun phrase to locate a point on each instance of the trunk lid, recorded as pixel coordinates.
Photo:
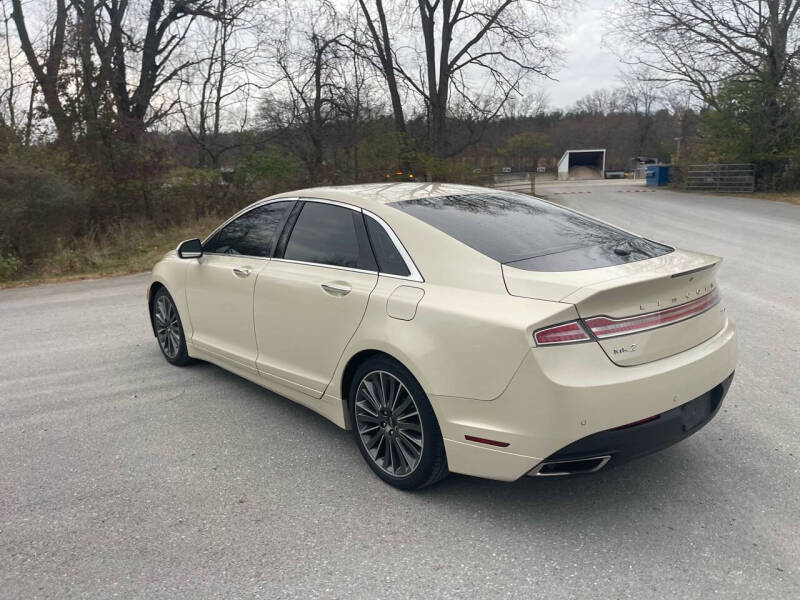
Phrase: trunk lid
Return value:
(674, 297)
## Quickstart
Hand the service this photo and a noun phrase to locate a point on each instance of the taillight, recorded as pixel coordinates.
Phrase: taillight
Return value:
(606, 327)
(566, 333)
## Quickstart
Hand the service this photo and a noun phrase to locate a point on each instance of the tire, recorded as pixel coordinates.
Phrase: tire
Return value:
(169, 329)
(394, 425)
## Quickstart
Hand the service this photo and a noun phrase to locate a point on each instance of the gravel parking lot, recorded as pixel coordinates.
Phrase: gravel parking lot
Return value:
(121, 475)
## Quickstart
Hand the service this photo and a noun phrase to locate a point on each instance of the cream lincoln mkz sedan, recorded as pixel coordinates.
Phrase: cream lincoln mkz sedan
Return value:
(455, 328)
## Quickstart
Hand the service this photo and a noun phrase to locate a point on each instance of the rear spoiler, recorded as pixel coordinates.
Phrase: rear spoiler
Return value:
(697, 270)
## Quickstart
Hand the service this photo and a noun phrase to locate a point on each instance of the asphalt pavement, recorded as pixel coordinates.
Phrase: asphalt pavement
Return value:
(122, 476)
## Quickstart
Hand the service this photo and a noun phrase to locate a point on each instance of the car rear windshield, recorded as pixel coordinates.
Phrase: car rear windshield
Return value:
(528, 233)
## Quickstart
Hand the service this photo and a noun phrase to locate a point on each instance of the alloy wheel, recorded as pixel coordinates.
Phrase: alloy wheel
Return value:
(168, 329)
(389, 424)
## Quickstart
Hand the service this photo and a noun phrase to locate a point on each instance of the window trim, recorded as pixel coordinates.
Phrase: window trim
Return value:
(327, 266)
(414, 275)
(288, 226)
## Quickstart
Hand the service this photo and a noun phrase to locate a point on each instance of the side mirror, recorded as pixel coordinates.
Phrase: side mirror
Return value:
(190, 249)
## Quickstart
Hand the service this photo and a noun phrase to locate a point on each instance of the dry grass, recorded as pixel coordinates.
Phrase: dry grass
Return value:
(790, 197)
(122, 251)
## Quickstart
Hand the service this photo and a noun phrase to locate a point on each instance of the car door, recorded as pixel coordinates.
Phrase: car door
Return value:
(311, 297)
(220, 284)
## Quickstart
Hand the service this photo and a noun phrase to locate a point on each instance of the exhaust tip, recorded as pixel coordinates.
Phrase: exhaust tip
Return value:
(560, 468)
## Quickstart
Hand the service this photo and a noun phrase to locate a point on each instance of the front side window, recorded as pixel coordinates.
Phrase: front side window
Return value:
(330, 235)
(252, 234)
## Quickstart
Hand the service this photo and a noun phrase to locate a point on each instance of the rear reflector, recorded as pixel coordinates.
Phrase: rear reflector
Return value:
(606, 327)
(480, 440)
(565, 333)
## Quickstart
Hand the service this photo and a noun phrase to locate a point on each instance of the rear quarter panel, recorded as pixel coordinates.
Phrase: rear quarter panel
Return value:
(461, 343)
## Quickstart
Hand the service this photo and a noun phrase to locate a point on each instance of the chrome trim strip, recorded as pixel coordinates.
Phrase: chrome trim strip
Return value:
(352, 207)
(712, 295)
(403, 277)
(236, 255)
(535, 472)
(312, 264)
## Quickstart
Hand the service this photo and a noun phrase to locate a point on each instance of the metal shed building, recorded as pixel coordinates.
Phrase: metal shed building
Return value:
(582, 164)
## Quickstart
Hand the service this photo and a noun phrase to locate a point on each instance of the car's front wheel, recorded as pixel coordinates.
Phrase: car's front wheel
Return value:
(394, 425)
(169, 329)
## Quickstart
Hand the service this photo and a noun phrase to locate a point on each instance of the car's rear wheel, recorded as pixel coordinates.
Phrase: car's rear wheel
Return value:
(394, 425)
(169, 329)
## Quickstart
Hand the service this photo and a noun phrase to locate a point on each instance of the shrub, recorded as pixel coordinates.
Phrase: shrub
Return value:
(9, 265)
(185, 194)
(267, 172)
(37, 208)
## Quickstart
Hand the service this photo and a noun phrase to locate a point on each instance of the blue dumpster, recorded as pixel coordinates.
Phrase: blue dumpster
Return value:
(657, 175)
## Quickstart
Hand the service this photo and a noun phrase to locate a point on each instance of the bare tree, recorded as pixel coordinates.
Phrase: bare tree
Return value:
(528, 104)
(216, 91)
(119, 59)
(45, 59)
(641, 94)
(306, 98)
(8, 87)
(478, 51)
(148, 53)
(729, 54)
(703, 43)
(18, 93)
(380, 38)
(356, 103)
(601, 102)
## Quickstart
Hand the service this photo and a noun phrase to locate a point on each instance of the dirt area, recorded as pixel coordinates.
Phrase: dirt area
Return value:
(582, 172)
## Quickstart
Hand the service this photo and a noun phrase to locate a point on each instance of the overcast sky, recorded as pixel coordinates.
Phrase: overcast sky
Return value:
(588, 66)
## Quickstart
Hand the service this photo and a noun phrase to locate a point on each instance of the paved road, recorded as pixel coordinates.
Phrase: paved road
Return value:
(123, 476)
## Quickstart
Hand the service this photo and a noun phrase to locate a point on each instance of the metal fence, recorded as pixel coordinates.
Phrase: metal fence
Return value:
(721, 178)
(522, 182)
(640, 172)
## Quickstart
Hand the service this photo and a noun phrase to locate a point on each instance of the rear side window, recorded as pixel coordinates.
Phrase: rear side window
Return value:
(528, 233)
(386, 254)
(252, 234)
(330, 235)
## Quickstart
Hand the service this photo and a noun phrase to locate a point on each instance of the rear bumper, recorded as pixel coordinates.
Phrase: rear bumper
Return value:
(574, 395)
(621, 444)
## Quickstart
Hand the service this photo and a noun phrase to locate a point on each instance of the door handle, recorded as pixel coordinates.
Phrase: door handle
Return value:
(242, 272)
(337, 288)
